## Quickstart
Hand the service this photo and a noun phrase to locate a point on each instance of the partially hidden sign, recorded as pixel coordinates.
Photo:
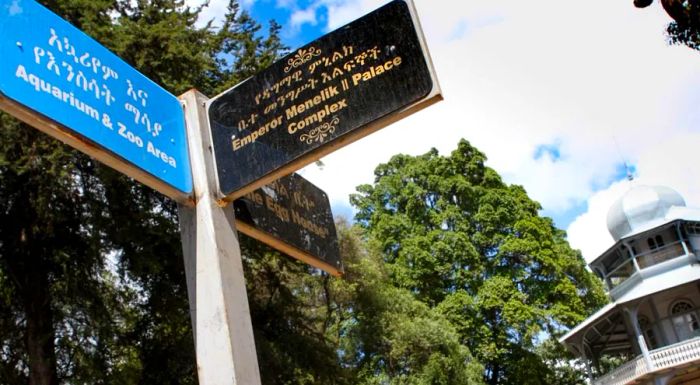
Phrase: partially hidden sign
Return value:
(293, 216)
(63, 82)
(321, 97)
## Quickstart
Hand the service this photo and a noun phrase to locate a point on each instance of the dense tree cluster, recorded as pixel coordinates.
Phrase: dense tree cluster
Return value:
(452, 277)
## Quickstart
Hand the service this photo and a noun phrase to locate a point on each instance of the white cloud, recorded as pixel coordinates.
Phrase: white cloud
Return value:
(287, 4)
(303, 16)
(670, 162)
(516, 75)
(215, 10)
(341, 12)
(589, 232)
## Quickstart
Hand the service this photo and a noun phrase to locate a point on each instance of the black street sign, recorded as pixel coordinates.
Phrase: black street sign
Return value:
(327, 94)
(293, 216)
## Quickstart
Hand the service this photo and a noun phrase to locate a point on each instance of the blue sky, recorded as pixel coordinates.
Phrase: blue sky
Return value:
(559, 98)
(294, 35)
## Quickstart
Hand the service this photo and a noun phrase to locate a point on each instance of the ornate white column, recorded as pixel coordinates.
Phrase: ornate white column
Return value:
(632, 317)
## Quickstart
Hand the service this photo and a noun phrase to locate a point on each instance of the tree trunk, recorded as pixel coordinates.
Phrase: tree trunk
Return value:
(493, 378)
(40, 330)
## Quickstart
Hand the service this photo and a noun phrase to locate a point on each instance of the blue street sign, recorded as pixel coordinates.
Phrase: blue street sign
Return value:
(58, 71)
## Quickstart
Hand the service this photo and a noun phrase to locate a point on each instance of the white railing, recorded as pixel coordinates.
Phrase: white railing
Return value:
(663, 358)
(677, 354)
(624, 374)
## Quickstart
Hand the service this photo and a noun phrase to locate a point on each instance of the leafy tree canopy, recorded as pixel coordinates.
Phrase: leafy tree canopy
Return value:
(685, 29)
(476, 250)
(315, 329)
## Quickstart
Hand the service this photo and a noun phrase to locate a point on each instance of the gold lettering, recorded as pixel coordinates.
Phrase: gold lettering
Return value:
(308, 225)
(292, 112)
(317, 117)
(279, 188)
(253, 136)
(325, 94)
(281, 212)
(254, 197)
(303, 201)
(375, 71)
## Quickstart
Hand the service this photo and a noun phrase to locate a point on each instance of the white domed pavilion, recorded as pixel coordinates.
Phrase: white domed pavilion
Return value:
(652, 277)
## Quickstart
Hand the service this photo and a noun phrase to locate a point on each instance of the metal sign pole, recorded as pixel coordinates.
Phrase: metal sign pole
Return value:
(215, 283)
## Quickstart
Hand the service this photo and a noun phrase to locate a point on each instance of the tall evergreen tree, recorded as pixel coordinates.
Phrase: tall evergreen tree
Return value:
(385, 334)
(467, 244)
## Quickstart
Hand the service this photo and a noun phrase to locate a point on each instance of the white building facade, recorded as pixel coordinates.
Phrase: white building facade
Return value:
(650, 331)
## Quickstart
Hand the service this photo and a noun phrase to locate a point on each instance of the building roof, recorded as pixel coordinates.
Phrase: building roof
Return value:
(683, 273)
(639, 207)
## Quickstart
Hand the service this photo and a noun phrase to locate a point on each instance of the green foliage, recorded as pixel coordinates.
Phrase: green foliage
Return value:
(49, 257)
(293, 310)
(476, 250)
(311, 328)
(388, 336)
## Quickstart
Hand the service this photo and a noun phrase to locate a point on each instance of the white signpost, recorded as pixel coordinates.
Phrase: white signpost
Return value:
(215, 282)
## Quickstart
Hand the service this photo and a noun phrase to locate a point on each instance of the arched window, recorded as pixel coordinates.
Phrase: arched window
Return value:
(692, 228)
(655, 242)
(685, 319)
(648, 330)
(651, 243)
(659, 241)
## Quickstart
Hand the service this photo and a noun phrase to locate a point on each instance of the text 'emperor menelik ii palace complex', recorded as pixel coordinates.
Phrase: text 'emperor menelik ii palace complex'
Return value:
(651, 328)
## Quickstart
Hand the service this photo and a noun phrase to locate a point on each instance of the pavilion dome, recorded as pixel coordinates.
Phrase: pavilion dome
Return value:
(639, 207)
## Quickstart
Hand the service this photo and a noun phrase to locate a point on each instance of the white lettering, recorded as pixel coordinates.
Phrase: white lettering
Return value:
(155, 151)
(21, 72)
(130, 136)
(42, 86)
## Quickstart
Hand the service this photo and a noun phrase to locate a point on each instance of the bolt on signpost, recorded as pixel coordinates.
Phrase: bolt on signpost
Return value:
(241, 144)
